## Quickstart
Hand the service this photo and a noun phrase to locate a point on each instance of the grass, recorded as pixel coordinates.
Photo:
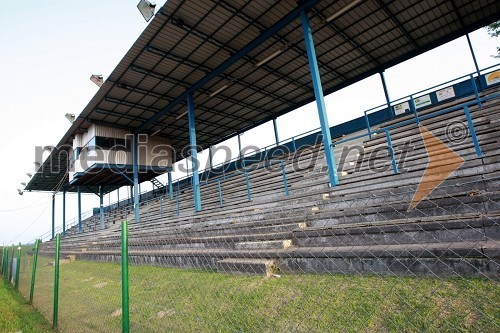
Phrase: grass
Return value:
(175, 300)
(16, 315)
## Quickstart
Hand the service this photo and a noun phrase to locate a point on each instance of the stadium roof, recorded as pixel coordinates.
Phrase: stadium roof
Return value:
(245, 60)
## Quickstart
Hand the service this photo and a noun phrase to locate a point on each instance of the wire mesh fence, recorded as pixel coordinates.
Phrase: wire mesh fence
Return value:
(43, 297)
(407, 242)
(26, 269)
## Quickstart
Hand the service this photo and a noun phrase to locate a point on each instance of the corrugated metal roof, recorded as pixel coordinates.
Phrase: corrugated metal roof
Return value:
(187, 40)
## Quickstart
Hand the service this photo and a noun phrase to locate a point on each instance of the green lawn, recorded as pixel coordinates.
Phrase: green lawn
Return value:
(16, 315)
(175, 300)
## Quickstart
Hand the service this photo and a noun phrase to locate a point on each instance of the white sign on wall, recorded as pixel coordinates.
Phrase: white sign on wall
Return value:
(401, 108)
(422, 101)
(493, 78)
(445, 93)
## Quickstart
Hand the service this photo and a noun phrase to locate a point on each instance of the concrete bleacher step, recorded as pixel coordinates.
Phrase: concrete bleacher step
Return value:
(271, 244)
(239, 266)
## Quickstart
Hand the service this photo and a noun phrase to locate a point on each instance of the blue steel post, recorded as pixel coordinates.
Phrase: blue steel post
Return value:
(294, 145)
(476, 92)
(473, 54)
(101, 206)
(249, 192)
(194, 153)
(239, 146)
(64, 214)
(79, 191)
(135, 164)
(386, 93)
(53, 215)
(170, 186)
(210, 157)
(367, 121)
(391, 151)
(479, 153)
(413, 108)
(118, 198)
(220, 192)
(320, 101)
(131, 194)
(276, 136)
(285, 182)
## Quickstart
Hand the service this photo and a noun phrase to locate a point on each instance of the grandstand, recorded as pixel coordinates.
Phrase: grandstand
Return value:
(387, 222)
(199, 75)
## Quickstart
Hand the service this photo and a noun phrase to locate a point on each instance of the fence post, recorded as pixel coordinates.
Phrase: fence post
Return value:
(413, 108)
(56, 282)
(125, 294)
(220, 192)
(10, 265)
(476, 92)
(18, 268)
(283, 170)
(391, 151)
(472, 131)
(33, 273)
(294, 148)
(3, 262)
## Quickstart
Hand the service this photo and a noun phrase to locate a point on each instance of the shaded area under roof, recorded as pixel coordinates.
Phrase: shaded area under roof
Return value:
(188, 41)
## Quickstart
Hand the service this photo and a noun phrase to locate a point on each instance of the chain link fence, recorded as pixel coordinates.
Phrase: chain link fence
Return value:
(408, 242)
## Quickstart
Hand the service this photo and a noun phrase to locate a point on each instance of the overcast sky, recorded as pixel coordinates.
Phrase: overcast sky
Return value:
(50, 48)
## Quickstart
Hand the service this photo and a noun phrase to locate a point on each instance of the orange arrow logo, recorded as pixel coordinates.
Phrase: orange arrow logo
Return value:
(443, 161)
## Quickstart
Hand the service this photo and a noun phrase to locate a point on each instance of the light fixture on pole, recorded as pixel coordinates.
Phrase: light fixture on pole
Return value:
(29, 175)
(23, 183)
(147, 9)
(20, 192)
(97, 79)
(70, 117)
(342, 11)
(218, 90)
(269, 58)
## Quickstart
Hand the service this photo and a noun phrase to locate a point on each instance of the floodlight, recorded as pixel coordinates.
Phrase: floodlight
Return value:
(271, 57)
(20, 192)
(29, 175)
(342, 10)
(147, 9)
(218, 90)
(97, 79)
(23, 183)
(181, 115)
(70, 117)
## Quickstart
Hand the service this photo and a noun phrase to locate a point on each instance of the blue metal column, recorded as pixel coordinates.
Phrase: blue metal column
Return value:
(118, 198)
(170, 186)
(472, 53)
(320, 101)
(276, 136)
(101, 206)
(386, 92)
(135, 164)
(194, 153)
(79, 191)
(239, 146)
(64, 213)
(210, 157)
(53, 216)
(131, 194)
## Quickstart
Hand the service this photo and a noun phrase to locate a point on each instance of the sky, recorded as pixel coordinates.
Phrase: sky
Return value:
(49, 49)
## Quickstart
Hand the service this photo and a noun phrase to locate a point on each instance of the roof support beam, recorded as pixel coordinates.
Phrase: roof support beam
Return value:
(101, 206)
(135, 162)
(320, 101)
(53, 215)
(79, 191)
(232, 60)
(194, 153)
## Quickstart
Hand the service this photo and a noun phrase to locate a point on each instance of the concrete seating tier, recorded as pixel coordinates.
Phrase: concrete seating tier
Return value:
(363, 225)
